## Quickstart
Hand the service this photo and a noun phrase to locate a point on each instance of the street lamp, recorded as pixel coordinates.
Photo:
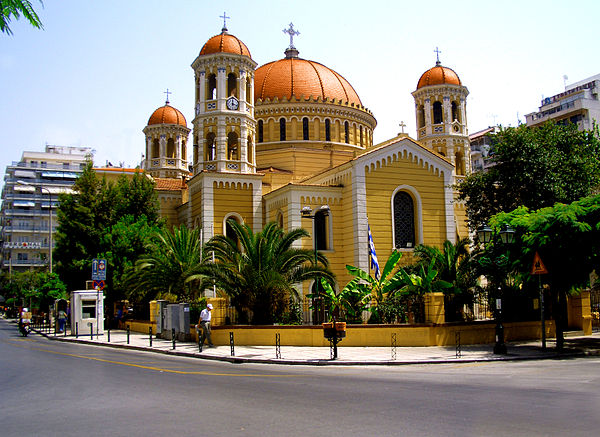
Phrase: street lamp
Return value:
(507, 235)
(49, 220)
(307, 213)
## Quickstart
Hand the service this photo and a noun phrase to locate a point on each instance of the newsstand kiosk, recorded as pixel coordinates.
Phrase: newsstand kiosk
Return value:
(87, 312)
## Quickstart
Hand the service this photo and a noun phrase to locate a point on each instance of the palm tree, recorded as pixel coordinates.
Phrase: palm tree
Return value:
(172, 266)
(258, 271)
(16, 8)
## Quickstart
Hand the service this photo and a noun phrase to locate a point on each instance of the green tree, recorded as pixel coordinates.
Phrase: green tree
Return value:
(16, 8)
(345, 305)
(534, 167)
(102, 219)
(258, 270)
(567, 238)
(172, 266)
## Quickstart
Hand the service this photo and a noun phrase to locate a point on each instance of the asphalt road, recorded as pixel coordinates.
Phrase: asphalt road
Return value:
(61, 389)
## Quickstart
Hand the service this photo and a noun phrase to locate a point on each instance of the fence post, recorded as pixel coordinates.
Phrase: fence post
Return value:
(91, 325)
(107, 333)
(173, 337)
(150, 335)
(128, 332)
(231, 344)
(394, 346)
(76, 329)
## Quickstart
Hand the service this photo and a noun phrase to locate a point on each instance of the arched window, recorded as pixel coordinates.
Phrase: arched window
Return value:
(459, 163)
(183, 151)
(232, 85)
(404, 220)
(260, 131)
(211, 147)
(250, 150)
(155, 148)
(305, 129)
(248, 89)
(420, 117)
(437, 113)
(170, 148)
(327, 130)
(212, 87)
(232, 146)
(229, 232)
(282, 129)
(195, 149)
(321, 228)
(361, 136)
(455, 112)
(346, 132)
(280, 219)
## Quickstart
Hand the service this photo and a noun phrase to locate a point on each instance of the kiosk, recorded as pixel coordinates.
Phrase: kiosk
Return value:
(87, 307)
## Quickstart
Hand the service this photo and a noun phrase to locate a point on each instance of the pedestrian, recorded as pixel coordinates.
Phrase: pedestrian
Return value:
(204, 325)
(62, 319)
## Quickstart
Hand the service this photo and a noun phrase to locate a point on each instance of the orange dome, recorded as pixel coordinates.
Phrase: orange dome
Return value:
(225, 43)
(439, 75)
(167, 115)
(297, 77)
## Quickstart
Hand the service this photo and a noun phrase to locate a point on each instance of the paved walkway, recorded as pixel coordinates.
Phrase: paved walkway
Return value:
(574, 346)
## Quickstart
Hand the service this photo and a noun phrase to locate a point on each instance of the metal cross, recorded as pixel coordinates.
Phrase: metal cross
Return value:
(291, 32)
(437, 52)
(402, 126)
(224, 17)
(167, 92)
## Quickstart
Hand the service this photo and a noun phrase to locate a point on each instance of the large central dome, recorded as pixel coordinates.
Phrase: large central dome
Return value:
(298, 77)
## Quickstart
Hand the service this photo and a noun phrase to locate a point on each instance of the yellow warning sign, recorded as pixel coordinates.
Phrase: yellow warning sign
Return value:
(538, 267)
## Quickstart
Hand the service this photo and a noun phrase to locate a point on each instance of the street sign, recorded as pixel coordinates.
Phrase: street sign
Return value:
(98, 285)
(538, 267)
(98, 269)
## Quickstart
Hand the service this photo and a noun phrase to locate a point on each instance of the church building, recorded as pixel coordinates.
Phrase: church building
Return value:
(291, 141)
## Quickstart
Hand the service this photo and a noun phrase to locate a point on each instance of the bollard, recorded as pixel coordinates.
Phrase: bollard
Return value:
(173, 337)
(458, 345)
(107, 333)
(128, 331)
(277, 345)
(150, 335)
(231, 344)
(76, 329)
(394, 346)
(91, 325)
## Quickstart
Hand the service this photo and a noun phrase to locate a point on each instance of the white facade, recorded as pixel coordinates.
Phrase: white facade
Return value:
(29, 200)
(578, 104)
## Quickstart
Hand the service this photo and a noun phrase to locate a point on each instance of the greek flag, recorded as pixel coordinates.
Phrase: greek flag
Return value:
(374, 261)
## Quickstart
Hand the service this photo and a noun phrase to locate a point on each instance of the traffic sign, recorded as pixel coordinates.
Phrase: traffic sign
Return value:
(538, 267)
(98, 285)
(98, 269)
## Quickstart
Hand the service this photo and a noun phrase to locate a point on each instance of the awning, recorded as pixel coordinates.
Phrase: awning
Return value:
(59, 174)
(24, 174)
(24, 188)
(23, 203)
(58, 190)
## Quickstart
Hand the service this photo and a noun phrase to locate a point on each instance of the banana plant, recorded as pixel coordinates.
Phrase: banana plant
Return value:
(348, 302)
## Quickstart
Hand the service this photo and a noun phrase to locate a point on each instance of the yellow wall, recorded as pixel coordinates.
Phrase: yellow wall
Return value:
(229, 198)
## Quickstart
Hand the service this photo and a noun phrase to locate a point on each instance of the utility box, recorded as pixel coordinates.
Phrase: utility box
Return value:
(184, 322)
(158, 315)
(87, 312)
(172, 321)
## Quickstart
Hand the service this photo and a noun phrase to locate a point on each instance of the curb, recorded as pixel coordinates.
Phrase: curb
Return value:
(324, 362)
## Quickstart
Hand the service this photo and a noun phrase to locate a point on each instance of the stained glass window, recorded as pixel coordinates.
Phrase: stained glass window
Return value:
(404, 221)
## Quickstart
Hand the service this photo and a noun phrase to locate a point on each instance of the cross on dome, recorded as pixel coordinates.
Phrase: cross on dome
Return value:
(291, 32)
(437, 52)
(225, 18)
(167, 92)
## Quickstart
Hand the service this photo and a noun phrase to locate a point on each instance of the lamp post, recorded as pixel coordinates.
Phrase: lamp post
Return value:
(485, 234)
(49, 221)
(307, 213)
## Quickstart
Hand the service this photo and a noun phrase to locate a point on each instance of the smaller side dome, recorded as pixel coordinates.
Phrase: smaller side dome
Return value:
(167, 115)
(225, 43)
(439, 75)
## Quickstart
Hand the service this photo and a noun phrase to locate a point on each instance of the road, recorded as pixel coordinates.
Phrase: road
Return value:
(62, 389)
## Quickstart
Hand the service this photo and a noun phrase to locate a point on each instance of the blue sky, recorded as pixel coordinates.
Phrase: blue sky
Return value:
(99, 69)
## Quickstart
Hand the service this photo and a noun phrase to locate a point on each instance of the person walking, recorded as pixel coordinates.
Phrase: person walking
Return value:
(204, 322)
(62, 319)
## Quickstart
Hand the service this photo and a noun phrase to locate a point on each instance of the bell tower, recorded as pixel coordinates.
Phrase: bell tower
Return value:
(224, 125)
(441, 113)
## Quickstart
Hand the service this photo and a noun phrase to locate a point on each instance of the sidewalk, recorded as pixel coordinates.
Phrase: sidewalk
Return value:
(301, 355)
